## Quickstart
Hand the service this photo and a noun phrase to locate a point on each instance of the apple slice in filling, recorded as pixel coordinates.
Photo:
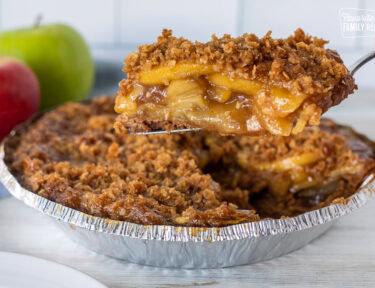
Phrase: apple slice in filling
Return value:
(194, 96)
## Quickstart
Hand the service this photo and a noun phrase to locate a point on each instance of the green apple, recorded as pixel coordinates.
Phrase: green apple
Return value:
(59, 57)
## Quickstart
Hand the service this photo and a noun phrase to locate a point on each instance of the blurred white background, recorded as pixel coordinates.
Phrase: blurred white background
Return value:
(115, 27)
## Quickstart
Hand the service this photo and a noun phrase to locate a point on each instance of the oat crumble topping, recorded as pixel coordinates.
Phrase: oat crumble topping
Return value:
(73, 156)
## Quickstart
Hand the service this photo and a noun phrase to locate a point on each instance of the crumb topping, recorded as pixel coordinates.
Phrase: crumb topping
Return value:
(73, 156)
(300, 60)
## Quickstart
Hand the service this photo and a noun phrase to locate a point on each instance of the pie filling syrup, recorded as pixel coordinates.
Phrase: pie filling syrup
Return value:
(195, 95)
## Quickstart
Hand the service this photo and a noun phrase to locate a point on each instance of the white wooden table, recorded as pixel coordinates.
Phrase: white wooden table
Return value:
(343, 257)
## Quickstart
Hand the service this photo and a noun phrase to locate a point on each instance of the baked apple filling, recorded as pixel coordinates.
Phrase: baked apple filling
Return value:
(293, 176)
(195, 96)
(234, 86)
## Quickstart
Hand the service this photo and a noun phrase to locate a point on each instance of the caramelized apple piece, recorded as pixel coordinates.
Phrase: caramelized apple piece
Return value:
(276, 126)
(217, 117)
(219, 94)
(284, 102)
(138, 90)
(310, 113)
(293, 177)
(126, 103)
(352, 169)
(164, 74)
(290, 162)
(185, 94)
(248, 87)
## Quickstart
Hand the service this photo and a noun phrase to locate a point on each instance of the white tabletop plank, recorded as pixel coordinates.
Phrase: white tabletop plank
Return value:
(343, 257)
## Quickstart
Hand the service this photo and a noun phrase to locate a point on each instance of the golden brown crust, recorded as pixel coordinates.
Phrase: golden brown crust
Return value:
(73, 156)
(301, 62)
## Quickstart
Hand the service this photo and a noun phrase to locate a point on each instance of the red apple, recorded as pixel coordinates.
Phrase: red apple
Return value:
(19, 94)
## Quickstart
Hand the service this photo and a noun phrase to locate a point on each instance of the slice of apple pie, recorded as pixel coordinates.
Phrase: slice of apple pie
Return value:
(243, 86)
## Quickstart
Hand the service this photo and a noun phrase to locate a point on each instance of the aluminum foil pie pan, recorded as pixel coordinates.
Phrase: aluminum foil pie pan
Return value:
(188, 247)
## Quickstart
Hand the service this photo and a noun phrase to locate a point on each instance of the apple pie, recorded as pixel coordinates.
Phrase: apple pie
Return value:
(73, 156)
(233, 86)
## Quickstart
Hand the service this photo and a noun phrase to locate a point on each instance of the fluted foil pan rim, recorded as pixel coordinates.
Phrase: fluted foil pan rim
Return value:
(265, 227)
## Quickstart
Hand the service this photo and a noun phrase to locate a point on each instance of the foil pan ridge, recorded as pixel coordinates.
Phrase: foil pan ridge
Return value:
(260, 228)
